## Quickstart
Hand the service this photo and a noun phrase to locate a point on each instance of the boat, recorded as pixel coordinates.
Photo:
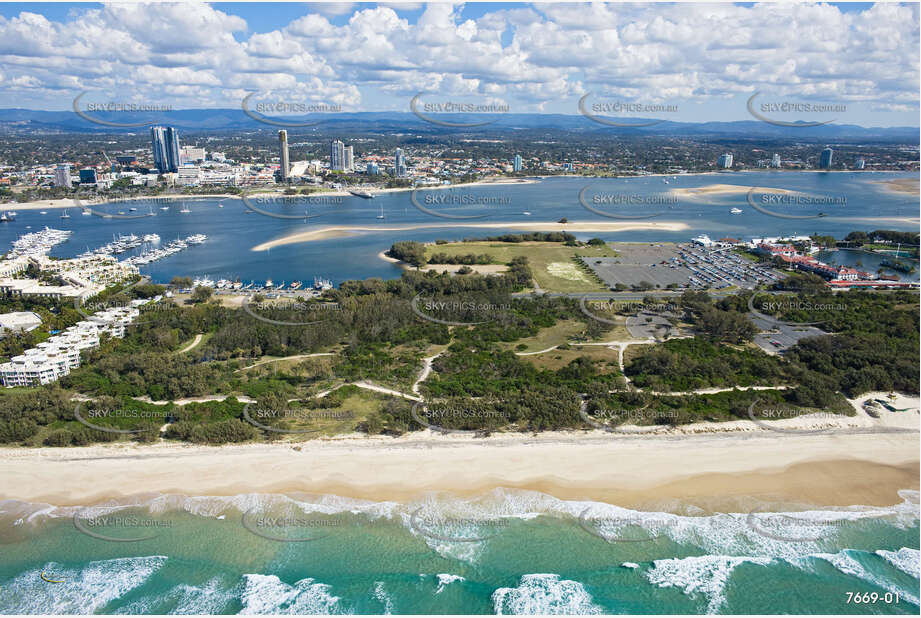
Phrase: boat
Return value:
(164, 207)
(295, 285)
(185, 209)
(363, 194)
(381, 216)
(322, 284)
(43, 212)
(65, 215)
(132, 209)
(220, 205)
(736, 211)
(526, 213)
(4, 217)
(269, 284)
(85, 213)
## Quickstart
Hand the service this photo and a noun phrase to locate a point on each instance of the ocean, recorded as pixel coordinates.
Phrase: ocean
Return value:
(846, 198)
(504, 552)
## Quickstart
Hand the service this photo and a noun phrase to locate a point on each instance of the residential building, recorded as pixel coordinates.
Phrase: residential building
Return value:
(284, 162)
(349, 158)
(337, 156)
(165, 147)
(62, 175)
(825, 158)
(517, 165)
(725, 161)
(399, 164)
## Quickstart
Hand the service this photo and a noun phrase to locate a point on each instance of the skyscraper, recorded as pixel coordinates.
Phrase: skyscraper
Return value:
(725, 160)
(775, 160)
(859, 164)
(517, 164)
(285, 166)
(62, 175)
(825, 158)
(349, 158)
(399, 164)
(336, 156)
(165, 147)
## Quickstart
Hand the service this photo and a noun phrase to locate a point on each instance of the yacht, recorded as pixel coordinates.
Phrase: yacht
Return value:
(164, 207)
(185, 209)
(132, 209)
(43, 212)
(526, 213)
(295, 285)
(381, 216)
(365, 194)
(85, 213)
(736, 211)
(220, 205)
(269, 284)
(5, 217)
(65, 215)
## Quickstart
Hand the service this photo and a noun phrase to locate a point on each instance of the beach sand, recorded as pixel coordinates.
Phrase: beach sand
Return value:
(911, 186)
(572, 226)
(722, 189)
(850, 467)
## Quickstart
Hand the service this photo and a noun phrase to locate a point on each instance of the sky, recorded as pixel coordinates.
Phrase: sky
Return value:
(681, 61)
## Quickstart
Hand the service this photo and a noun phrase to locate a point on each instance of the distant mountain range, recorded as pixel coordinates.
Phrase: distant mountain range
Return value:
(195, 120)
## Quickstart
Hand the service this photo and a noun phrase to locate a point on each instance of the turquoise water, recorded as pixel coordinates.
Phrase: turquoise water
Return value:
(510, 552)
(234, 229)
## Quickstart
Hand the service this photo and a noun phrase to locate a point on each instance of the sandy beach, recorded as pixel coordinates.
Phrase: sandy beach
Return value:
(723, 189)
(911, 186)
(572, 226)
(847, 467)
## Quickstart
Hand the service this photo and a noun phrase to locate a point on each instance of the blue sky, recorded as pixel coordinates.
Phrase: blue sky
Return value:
(702, 62)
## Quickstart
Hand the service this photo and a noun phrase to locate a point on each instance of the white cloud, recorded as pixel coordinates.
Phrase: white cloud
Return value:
(528, 56)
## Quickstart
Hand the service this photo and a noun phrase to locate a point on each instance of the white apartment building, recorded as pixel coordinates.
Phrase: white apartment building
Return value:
(60, 354)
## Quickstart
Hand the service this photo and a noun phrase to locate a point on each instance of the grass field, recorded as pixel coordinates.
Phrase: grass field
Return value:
(557, 359)
(551, 262)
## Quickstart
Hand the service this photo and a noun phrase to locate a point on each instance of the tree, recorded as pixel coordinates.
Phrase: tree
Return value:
(202, 294)
(181, 282)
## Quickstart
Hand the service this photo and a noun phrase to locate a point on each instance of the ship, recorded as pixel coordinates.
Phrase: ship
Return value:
(736, 211)
(269, 284)
(65, 215)
(8, 216)
(364, 194)
(322, 284)
(295, 285)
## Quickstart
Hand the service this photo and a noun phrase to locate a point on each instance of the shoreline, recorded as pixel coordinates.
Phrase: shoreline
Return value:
(572, 226)
(853, 468)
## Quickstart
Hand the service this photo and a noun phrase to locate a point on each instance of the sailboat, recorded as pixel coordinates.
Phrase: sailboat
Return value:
(184, 209)
(381, 216)
(65, 215)
(220, 205)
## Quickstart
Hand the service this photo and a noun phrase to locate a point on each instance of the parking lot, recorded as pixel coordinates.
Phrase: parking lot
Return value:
(777, 338)
(684, 265)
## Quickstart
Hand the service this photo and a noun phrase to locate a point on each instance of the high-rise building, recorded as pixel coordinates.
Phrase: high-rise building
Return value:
(191, 154)
(399, 164)
(284, 167)
(62, 175)
(337, 156)
(725, 161)
(349, 158)
(859, 164)
(517, 164)
(88, 176)
(373, 169)
(165, 146)
(775, 160)
(825, 158)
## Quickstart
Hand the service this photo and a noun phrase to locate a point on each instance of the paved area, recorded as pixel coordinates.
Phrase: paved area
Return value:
(777, 338)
